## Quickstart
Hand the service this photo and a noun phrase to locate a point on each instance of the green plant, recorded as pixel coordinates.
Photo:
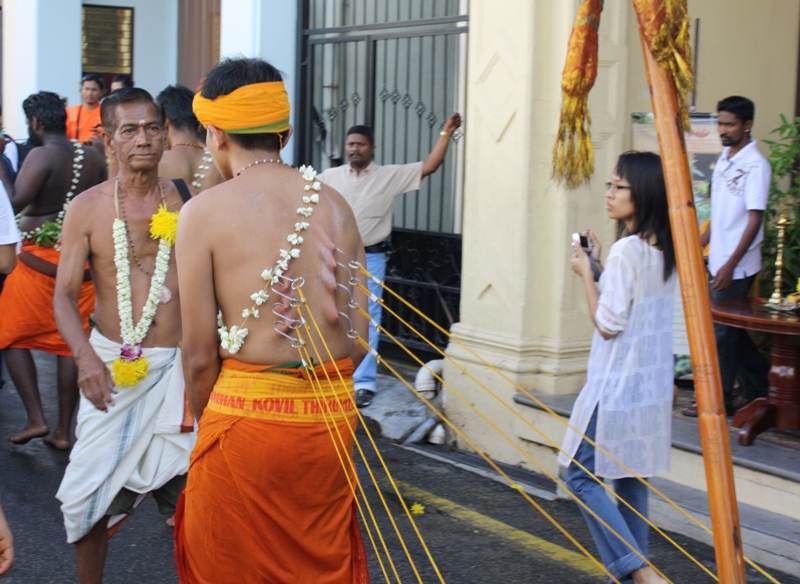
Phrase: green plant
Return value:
(49, 234)
(784, 198)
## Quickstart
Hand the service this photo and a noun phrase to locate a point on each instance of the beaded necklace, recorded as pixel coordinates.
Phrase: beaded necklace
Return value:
(125, 220)
(263, 161)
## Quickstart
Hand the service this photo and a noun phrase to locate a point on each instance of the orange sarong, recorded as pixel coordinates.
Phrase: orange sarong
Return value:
(27, 320)
(268, 498)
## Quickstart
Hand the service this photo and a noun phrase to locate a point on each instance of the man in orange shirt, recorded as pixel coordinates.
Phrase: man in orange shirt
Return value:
(83, 121)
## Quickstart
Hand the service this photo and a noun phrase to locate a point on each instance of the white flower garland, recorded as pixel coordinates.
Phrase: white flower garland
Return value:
(232, 339)
(134, 335)
(205, 165)
(77, 166)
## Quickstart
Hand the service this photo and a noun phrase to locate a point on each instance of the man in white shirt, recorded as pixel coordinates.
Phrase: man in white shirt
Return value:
(739, 192)
(370, 190)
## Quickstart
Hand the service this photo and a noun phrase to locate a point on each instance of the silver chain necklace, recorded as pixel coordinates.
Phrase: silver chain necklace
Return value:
(264, 161)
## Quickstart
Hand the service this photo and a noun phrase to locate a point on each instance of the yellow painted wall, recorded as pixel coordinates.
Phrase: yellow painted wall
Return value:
(747, 47)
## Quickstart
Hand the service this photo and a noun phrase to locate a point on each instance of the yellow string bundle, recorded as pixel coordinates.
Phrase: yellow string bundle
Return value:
(573, 158)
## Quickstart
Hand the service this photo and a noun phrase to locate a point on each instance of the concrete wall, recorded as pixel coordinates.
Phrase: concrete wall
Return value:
(521, 306)
(155, 41)
(746, 48)
(59, 44)
(41, 51)
(265, 29)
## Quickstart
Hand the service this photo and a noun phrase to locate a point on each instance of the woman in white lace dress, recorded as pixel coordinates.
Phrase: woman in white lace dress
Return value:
(626, 405)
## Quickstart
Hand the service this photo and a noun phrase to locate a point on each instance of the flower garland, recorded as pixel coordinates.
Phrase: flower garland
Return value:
(131, 366)
(204, 166)
(48, 234)
(232, 339)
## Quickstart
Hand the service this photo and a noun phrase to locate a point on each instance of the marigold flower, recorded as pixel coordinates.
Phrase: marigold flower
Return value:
(164, 225)
(129, 373)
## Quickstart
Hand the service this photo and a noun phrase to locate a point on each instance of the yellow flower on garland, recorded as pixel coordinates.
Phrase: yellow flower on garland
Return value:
(798, 285)
(164, 225)
(129, 373)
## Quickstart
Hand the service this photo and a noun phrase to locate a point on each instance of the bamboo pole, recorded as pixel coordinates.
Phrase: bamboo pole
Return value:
(697, 306)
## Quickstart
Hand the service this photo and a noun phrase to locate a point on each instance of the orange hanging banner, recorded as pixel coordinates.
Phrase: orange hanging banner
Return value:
(573, 158)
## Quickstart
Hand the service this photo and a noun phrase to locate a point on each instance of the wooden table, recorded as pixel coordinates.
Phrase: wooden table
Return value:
(781, 408)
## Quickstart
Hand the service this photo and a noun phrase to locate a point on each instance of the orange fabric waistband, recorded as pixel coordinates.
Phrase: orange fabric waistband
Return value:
(285, 393)
(44, 252)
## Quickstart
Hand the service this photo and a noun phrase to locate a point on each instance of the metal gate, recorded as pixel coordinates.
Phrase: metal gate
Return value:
(399, 67)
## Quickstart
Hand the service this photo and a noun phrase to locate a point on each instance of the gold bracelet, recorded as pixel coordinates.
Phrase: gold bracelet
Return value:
(443, 133)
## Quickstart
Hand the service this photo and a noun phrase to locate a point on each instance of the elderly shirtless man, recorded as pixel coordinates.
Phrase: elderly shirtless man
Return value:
(134, 426)
(275, 505)
(53, 173)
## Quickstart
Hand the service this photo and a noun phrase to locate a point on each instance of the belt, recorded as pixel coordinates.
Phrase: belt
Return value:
(44, 267)
(380, 247)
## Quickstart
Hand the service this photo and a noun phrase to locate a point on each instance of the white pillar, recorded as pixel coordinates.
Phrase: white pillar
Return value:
(266, 29)
(522, 308)
(41, 52)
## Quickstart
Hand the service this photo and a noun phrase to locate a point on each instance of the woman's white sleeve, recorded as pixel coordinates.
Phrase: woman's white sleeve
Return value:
(616, 294)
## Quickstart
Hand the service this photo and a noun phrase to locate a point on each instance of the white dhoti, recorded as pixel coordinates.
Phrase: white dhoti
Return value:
(140, 444)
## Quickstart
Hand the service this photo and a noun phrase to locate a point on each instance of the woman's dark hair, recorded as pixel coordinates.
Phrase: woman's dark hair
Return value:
(231, 74)
(644, 173)
(48, 108)
(176, 101)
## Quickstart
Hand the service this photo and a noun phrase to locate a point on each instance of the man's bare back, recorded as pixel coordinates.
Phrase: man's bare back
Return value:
(243, 225)
(45, 178)
(185, 161)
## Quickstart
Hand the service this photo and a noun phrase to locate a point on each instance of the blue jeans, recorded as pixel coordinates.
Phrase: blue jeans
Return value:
(615, 554)
(738, 355)
(364, 377)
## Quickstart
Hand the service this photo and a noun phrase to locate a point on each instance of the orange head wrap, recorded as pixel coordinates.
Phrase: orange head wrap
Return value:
(261, 108)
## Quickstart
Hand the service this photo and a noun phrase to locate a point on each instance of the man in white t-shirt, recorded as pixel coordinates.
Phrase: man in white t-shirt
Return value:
(370, 190)
(739, 191)
(9, 234)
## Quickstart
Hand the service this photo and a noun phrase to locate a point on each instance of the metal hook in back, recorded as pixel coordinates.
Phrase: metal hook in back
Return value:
(352, 303)
(296, 343)
(291, 323)
(352, 333)
(293, 302)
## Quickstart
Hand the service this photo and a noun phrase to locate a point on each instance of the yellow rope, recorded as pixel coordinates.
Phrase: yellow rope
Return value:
(377, 451)
(304, 356)
(605, 486)
(496, 468)
(377, 488)
(526, 455)
(541, 404)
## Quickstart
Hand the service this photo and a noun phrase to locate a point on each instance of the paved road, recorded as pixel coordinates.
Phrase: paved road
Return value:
(477, 530)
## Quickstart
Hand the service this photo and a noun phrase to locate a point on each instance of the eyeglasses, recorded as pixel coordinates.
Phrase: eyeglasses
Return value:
(612, 187)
